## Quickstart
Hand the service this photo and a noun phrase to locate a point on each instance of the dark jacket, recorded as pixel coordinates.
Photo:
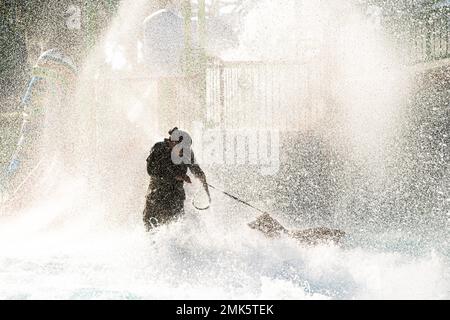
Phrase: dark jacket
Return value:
(163, 171)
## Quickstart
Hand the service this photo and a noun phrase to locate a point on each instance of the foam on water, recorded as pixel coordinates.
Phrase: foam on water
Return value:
(207, 255)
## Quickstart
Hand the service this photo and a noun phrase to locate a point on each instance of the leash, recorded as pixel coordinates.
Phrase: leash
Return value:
(237, 199)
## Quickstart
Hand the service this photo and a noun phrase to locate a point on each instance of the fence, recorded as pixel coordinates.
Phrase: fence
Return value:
(278, 95)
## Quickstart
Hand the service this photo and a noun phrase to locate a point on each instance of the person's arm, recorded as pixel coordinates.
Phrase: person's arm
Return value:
(199, 174)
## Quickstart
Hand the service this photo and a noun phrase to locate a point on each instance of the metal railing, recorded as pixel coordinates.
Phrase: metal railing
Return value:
(277, 95)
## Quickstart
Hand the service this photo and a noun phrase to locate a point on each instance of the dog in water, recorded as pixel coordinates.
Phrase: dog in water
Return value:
(274, 229)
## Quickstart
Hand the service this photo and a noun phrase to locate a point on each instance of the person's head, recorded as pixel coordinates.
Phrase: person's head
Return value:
(174, 138)
(177, 136)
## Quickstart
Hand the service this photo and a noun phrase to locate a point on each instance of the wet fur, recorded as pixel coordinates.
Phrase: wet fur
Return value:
(272, 228)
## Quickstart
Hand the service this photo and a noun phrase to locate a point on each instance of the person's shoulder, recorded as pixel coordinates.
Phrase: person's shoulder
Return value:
(159, 146)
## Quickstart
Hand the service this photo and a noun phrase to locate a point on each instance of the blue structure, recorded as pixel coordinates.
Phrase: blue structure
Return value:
(45, 94)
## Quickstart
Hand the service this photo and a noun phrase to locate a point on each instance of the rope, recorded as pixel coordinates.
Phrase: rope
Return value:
(237, 199)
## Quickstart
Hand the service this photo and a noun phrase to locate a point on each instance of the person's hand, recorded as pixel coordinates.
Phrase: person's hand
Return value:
(184, 178)
(205, 186)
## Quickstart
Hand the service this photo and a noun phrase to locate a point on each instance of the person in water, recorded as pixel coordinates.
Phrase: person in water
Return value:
(167, 167)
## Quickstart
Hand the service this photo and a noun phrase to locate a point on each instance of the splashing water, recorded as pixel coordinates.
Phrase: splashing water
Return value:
(85, 240)
(204, 257)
